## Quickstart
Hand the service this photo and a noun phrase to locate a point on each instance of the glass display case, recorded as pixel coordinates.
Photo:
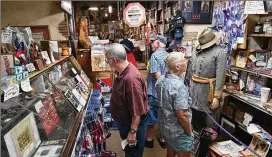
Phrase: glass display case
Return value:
(44, 122)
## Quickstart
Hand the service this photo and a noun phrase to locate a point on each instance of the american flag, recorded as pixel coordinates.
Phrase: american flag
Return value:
(19, 49)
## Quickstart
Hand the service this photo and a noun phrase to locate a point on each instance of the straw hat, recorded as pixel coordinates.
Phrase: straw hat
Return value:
(207, 38)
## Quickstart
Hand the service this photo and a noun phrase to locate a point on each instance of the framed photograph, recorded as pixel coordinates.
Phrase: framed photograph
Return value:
(197, 12)
(241, 59)
(23, 139)
(226, 124)
(73, 100)
(7, 61)
(254, 84)
(261, 59)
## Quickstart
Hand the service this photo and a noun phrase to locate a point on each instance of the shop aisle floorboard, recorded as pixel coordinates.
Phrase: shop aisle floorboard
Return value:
(114, 144)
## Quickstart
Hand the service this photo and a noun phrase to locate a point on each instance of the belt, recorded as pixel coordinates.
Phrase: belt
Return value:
(203, 80)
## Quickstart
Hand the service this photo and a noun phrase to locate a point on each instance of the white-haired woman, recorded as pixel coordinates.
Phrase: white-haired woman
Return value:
(174, 102)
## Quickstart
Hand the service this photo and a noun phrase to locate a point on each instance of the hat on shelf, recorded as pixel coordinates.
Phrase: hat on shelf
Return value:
(207, 39)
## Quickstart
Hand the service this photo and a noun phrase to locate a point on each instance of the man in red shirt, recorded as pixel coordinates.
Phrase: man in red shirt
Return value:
(130, 55)
(128, 105)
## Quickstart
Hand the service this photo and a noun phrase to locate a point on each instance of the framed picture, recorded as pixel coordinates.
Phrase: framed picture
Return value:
(39, 31)
(229, 126)
(197, 12)
(7, 61)
(241, 59)
(261, 59)
(23, 139)
(254, 84)
(73, 100)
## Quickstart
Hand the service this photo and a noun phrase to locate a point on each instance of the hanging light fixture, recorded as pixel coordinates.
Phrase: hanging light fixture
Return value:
(93, 8)
(110, 9)
(106, 14)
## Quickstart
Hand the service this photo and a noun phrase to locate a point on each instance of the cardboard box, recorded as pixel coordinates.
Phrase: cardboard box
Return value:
(51, 46)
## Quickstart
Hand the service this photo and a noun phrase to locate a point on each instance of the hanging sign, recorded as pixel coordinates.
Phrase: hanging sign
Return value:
(134, 14)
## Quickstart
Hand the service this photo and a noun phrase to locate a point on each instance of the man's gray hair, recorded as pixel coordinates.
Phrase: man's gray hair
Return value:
(116, 51)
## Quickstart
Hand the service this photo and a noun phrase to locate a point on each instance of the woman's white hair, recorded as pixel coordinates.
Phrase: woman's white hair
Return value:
(116, 51)
(173, 59)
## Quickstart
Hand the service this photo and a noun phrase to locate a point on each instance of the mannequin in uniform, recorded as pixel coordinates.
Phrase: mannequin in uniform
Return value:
(207, 72)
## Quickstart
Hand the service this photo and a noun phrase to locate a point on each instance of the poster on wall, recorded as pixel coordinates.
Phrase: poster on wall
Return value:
(229, 18)
(23, 139)
(47, 114)
(134, 14)
(197, 12)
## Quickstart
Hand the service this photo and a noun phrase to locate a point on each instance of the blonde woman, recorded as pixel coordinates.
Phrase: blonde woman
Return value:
(174, 102)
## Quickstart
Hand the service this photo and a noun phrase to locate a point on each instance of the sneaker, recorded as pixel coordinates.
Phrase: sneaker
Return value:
(149, 144)
(162, 144)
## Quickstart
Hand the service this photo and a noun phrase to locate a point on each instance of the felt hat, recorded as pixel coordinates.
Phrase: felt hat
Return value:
(207, 39)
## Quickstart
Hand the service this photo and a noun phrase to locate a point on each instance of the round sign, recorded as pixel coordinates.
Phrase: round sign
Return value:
(134, 14)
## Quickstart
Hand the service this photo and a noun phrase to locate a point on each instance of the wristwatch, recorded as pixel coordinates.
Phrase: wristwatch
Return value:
(132, 131)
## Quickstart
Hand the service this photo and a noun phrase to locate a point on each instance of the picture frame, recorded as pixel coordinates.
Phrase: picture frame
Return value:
(262, 59)
(39, 31)
(7, 61)
(197, 12)
(23, 139)
(254, 84)
(241, 59)
(228, 125)
(73, 100)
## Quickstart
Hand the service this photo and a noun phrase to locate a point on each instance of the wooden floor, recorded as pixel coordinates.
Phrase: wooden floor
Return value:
(114, 144)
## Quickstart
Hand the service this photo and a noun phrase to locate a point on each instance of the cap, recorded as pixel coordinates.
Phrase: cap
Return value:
(161, 38)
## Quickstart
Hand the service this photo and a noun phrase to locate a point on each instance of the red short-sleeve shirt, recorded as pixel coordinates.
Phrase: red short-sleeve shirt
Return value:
(129, 96)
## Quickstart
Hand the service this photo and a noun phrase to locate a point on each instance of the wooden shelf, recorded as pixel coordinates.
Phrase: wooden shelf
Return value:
(247, 100)
(261, 35)
(258, 51)
(251, 71)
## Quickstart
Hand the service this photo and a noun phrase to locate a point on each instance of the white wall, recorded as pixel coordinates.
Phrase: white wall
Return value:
(26, 13)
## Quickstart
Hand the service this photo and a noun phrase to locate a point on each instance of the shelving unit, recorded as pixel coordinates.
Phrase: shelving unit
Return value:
(261, 35)
(251, 71)
(248, 100)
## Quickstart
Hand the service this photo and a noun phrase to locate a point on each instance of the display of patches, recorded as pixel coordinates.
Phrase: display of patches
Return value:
(47, 114)
(23, 139)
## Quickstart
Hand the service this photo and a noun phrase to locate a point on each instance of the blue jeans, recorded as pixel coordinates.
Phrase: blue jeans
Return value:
(140, 137)
(153, 111)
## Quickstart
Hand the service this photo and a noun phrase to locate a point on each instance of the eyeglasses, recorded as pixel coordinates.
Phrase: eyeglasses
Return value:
(107, 61)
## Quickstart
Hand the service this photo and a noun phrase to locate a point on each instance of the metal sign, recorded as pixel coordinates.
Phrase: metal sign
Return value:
(134, 14)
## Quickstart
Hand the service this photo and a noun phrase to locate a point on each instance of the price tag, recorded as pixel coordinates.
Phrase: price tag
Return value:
(7, 37)
(11, 92)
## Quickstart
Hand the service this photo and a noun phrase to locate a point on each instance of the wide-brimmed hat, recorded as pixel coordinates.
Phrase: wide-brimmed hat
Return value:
(207, 38)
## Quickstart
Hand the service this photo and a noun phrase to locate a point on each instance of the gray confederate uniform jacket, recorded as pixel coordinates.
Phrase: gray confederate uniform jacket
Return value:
(207, 64)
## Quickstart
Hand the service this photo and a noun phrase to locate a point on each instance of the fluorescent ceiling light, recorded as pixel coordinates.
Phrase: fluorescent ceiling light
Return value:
(110, 9)
(93, 8)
